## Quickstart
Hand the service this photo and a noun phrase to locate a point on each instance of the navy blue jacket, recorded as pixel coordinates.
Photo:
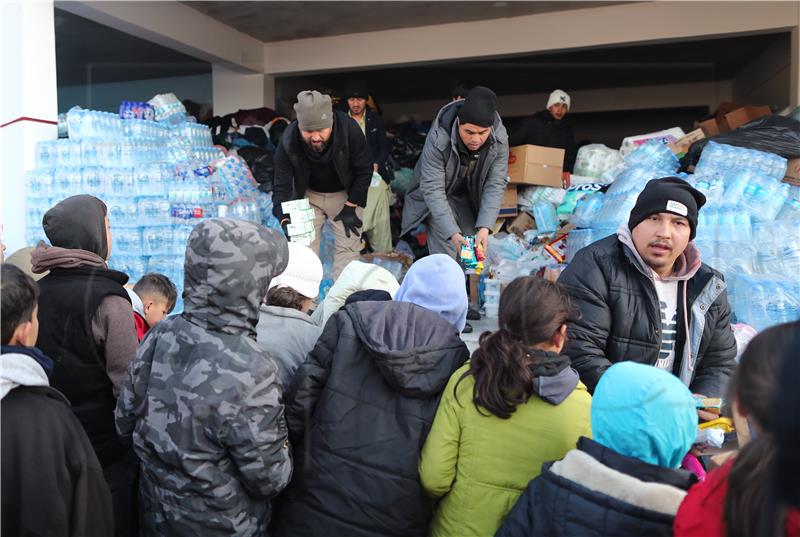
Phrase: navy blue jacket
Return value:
(555, 506)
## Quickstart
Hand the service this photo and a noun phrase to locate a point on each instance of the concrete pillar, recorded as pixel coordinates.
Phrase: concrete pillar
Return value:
(28, 90)
(234, 90)
(794, 67)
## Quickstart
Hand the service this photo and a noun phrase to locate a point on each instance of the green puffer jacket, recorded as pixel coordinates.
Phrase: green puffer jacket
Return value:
(479, 464)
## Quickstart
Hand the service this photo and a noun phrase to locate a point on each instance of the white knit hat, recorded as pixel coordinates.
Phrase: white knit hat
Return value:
(303, 273)
(558, 97)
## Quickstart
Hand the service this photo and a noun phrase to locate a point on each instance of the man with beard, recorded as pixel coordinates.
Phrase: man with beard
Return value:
(323, 156)
(645, 296)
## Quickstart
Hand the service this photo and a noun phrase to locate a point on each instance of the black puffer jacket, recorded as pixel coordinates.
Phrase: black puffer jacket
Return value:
(596, 491)
(621, 319)
(359, 410)
(351, 160)
(543, 129)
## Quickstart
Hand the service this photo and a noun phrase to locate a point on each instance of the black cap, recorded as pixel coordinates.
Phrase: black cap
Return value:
(357, 89)
(479, 107)
(668, 195)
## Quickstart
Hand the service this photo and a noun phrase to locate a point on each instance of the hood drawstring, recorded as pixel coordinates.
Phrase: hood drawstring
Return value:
(688, 341)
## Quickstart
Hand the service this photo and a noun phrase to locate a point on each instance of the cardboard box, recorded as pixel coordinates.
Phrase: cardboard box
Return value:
(522, 223)
(536, 165)
(509, 204)
(793, 172)
(709, 127)
(680, 147)
(746, 114)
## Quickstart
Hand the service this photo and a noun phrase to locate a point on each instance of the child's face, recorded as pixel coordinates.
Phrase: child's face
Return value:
(155, 309)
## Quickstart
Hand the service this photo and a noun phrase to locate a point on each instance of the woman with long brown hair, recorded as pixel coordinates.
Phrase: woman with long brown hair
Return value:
(734, 500)
(516, 404)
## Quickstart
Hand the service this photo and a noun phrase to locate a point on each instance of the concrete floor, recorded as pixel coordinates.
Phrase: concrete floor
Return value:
(478, 327)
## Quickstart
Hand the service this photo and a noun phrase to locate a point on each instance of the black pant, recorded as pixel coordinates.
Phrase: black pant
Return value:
(122, 477)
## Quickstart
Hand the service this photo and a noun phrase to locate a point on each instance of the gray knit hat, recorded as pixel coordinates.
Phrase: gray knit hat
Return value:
(314, 111)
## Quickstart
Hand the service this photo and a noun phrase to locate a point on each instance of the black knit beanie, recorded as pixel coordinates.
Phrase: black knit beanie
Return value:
(668, 195)
(357, 89)
(479, 107)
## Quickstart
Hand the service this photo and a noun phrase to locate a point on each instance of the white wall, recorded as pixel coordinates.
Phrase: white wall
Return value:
(235, 90)
(109, 95)
(28, 89)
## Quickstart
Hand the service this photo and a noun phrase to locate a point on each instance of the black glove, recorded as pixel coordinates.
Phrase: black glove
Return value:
(349, 220)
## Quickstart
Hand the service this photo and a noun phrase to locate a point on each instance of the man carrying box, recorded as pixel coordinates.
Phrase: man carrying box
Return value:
(550, 128)
(323, 156)
(458, 182)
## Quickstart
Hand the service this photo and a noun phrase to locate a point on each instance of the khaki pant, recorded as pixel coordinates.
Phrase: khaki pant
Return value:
(326, 207)
(376, 216)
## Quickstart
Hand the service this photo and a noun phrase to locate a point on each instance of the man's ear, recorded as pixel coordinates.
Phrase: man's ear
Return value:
(20, 335)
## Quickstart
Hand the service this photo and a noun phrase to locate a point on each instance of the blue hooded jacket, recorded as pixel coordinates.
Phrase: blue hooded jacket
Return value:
(643, 412)
(436, 283)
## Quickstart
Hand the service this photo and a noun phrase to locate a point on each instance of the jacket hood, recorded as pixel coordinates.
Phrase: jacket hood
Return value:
(136, 301)
(415, 350)
(580, 467)
(444, 124)
(643, 412)
(78, 223)
(228, 267)
(554, 379)
(686, 266)
(436, 283)
(356, 276)
(286, 313)
(20, 370)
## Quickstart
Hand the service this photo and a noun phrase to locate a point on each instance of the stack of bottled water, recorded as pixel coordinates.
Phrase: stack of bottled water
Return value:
(749, 228)
(154, 178)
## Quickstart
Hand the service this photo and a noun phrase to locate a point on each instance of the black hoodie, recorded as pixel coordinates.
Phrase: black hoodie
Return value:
(359, 411)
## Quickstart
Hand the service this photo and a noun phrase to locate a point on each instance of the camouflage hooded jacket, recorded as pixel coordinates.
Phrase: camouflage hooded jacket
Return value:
(201, 398)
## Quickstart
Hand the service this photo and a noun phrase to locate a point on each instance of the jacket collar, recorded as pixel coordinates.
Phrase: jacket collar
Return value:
(599, 477)
(686, 266)
(20, 369)
(634, 467)
(136, 301)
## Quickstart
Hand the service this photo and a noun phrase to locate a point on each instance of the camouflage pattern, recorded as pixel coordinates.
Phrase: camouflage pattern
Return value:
(202, 400)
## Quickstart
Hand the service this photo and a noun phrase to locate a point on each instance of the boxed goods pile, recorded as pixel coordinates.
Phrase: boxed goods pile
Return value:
(157, 178)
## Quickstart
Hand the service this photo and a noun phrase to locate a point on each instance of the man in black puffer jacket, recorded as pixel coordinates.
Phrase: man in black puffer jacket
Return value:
(362, 404)
(645, 296)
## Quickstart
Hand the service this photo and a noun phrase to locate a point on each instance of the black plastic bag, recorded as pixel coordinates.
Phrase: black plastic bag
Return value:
(261, 162)
(772, 134)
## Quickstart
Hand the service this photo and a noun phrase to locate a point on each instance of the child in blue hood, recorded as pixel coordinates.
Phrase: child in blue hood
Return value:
(625, 481)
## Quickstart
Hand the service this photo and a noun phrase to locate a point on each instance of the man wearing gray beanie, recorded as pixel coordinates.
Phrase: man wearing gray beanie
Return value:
(458, 182)
(323, 156)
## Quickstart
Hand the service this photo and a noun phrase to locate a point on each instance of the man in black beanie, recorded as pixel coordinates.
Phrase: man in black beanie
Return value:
(645, 296)
(458, 182)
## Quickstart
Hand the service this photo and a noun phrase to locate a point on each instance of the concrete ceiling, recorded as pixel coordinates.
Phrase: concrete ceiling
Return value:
(278, 21)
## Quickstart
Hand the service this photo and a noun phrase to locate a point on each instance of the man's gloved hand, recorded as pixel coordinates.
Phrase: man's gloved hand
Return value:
(350, 221)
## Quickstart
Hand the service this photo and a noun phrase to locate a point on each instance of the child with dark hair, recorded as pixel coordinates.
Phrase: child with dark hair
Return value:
(52, 481)
(734, 500)
(515, 405)
(285, 329)
(153, 298)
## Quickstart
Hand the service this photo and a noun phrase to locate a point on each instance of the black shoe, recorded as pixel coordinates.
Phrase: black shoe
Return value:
(467, 329)
(473, 314)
